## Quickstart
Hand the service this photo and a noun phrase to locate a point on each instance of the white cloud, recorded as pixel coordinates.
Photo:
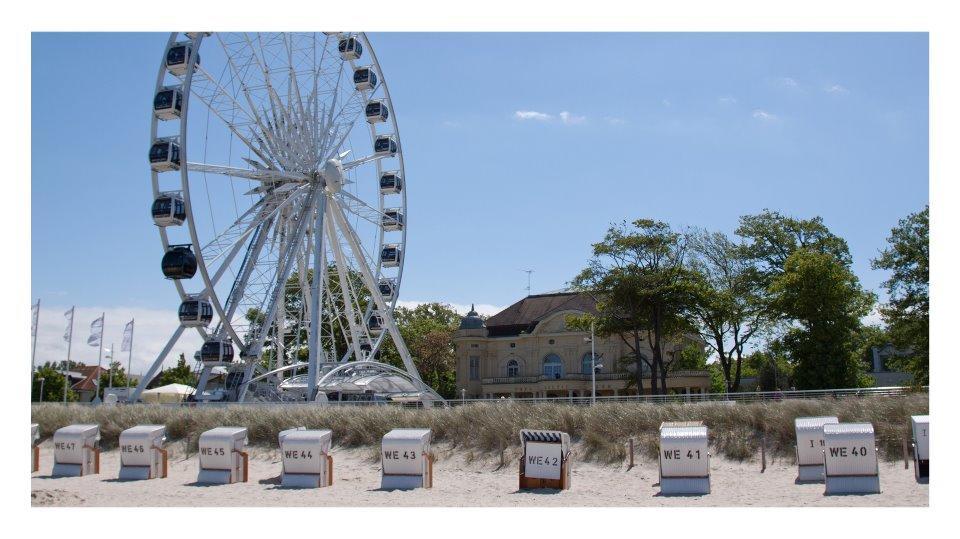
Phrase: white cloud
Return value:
(565, 117)
(835, 89)
(450, 123)
(666, 103)
(786, 82)
(764, 116)
(615, 121)
(727, 100)
(462, 308)
(571, 119)
(532, 115)
(152, 330)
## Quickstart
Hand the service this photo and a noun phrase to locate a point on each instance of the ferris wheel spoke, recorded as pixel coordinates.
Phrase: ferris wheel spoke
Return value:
(247, 56)
(343, 123)
(341, 222)
(262, 175)
(240, 287)
(338, 317)
(267, 208)
(362, 161)
(277, 109)
(226, 107)
(287, 260)
(360, 208)
(240, 59)
(358, 331)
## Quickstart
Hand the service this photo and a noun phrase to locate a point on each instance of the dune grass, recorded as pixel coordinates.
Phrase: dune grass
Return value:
(601, 431)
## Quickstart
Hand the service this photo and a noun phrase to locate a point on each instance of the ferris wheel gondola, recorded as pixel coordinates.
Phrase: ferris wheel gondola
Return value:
(292, 206)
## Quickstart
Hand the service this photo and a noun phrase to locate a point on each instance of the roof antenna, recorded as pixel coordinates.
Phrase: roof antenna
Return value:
(528, 271)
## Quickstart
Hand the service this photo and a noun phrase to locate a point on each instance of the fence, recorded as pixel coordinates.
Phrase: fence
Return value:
(680, 398)
(726, 398)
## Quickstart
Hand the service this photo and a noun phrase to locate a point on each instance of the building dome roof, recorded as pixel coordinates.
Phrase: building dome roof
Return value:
(472, 320)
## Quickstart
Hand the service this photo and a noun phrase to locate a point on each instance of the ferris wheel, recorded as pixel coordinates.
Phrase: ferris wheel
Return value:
(279, 195)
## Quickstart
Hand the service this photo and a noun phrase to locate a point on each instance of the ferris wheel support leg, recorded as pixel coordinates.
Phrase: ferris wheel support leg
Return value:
(247, 375)
(204, 378)
(368, 280)
(145, 379)
(316, 293)
(283, 273)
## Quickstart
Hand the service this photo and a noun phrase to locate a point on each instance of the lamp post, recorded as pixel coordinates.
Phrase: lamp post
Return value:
(41, 388)
(110, 357)
(463, 395)
(593, 364)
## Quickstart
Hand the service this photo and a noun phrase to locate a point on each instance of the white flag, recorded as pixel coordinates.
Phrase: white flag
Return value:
(35, 308)
(68, 332)
(127, 343)
(96, 332)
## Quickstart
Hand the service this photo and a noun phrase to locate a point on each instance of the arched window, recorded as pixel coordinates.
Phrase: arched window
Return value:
(585, 364)
(553, 366)
(513, 369)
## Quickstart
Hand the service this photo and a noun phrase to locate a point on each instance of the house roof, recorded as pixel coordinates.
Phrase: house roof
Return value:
(525, 314)
(90, 374)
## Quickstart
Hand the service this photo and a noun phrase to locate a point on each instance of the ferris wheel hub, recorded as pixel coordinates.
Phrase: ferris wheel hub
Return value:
(331, 175)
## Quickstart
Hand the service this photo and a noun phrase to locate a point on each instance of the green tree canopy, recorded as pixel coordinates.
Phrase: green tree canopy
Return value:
(730, 307)
(180, 374)
(823, 300)
(53, 382)
(770, 238)
(428, 330)
(772, 368)
(119, 377)
(643, 291)
(907, 313)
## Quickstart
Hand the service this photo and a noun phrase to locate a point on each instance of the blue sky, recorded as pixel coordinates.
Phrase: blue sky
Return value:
(520, 150)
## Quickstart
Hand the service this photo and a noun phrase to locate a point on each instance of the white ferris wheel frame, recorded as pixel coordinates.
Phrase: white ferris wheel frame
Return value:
(320, 209)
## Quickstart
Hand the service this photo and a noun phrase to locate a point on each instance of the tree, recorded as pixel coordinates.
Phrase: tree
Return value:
(181, 374)
(771, 367)
(691, 357)
(643, 289)
(730, 306)
(770, 238)
(53, 381)
(907, 313)
(823, 300)
(119, 377)
(428, 331)
(296, 335)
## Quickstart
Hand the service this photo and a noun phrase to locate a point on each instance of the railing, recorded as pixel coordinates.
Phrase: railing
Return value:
(725, 398)
(719, 398)
(580, 377)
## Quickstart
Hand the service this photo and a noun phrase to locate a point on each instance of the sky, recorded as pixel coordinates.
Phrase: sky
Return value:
(520, 150)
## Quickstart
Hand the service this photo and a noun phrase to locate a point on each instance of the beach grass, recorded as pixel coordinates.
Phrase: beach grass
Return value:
(601, 431)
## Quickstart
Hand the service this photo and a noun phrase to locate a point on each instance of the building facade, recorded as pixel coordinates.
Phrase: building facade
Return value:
(527, 350)
(879, 366)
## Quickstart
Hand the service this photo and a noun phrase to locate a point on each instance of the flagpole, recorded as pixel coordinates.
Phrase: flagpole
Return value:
(33, 357)
(130, 357)
(113, 357)
(66, 370)
(103, 321)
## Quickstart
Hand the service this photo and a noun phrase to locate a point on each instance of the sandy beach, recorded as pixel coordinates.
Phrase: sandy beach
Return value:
(460, 480)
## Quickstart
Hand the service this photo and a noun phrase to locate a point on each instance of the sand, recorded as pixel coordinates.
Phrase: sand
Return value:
(460, 481)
